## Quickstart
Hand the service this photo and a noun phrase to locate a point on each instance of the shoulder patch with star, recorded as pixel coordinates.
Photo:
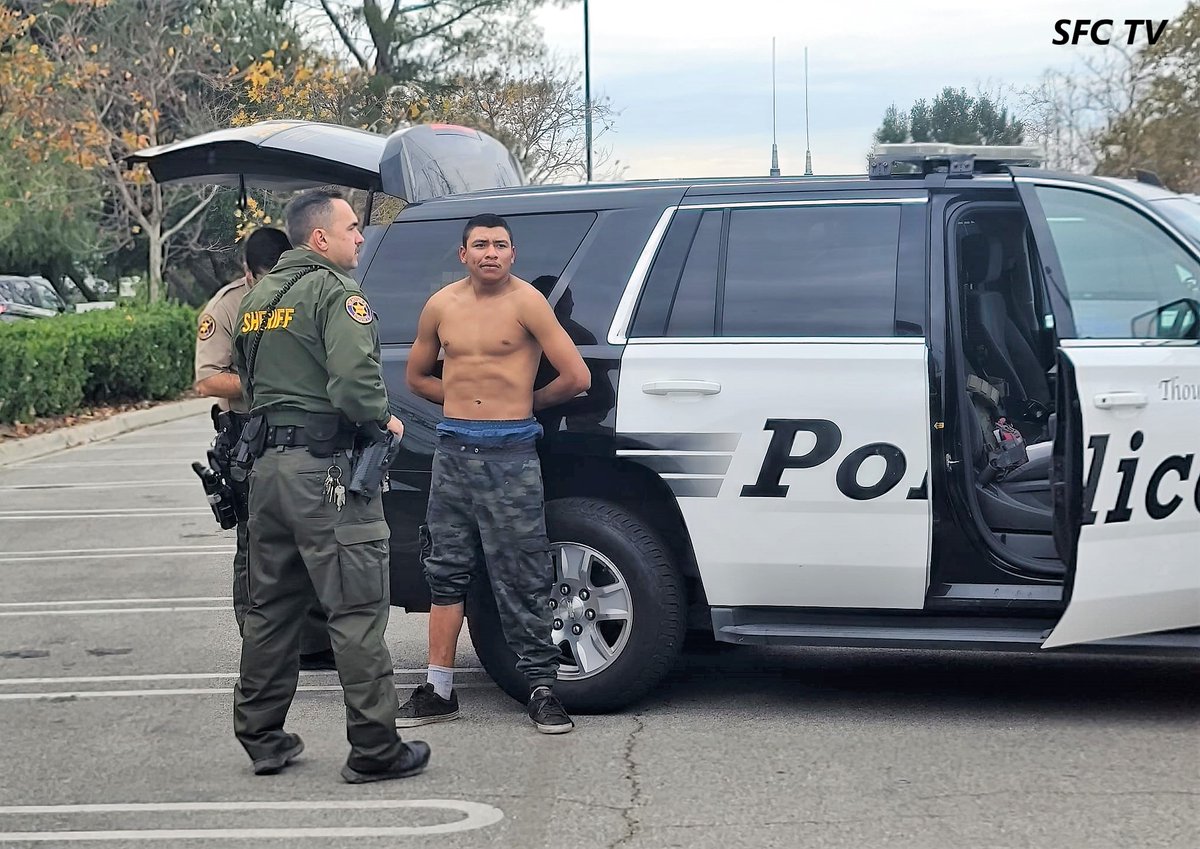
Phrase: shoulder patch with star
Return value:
(207, 327)
(359, 310)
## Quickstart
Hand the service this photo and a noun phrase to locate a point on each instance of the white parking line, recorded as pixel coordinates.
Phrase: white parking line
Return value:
(110, 464)
(109, 610)
(100, 513)
(111, 553)
(190, 676)
(110, 446)
(478, 815)
(158, 443)
(117, 549)
(87, 601)
(71, 695)
(26, 487)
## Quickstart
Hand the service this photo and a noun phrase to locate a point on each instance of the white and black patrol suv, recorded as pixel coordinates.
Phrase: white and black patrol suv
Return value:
(954, 403)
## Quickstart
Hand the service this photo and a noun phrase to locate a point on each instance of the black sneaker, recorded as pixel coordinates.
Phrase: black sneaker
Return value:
(547, 712)
(274, 763)
(412, 760)
(425, 706)
(318, 660)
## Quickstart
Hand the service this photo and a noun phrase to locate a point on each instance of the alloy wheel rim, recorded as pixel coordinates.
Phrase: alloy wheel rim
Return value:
(592, 608)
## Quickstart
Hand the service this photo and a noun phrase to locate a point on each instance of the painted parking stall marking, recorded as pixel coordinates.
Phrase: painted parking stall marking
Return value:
(474, 815)
(74, 687)
(172, 551)
(110, 606)
(100, 513)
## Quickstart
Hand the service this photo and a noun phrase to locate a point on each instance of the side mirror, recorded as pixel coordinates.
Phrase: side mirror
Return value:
(1178, 319)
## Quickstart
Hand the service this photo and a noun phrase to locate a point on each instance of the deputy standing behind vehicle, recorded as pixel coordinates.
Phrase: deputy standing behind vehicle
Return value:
(308, 353)
(216, 378)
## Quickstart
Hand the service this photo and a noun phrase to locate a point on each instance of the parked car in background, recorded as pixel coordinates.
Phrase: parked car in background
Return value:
(28, 297)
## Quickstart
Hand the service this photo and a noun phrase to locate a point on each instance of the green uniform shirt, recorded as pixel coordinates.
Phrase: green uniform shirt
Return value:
(319, 351)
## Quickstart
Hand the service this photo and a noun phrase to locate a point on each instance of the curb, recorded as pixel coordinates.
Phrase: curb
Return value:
(42, 444)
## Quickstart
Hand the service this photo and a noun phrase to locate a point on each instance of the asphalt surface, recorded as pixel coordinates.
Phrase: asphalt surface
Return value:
(118, 652)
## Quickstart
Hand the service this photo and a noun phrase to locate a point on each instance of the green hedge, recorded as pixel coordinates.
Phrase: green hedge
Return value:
(57, 365)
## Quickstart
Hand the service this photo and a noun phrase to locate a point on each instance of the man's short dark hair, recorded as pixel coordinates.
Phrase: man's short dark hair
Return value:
(487, 220)
(308, 211)
(263, 248)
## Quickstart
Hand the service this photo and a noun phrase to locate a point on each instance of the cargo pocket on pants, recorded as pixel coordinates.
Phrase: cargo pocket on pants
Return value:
(535, 572)
(362, 561)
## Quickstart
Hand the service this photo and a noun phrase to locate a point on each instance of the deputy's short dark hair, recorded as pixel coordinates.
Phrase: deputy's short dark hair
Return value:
(487, 220)
(308, 211)
(263, 248)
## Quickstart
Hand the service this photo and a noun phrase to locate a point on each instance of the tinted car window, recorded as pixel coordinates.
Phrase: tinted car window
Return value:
(417, 258)
(694, 310)
(662, 284)
(1118, 264)
(811, 271)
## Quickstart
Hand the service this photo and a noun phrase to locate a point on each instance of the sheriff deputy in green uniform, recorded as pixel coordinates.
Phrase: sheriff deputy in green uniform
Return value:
(307, 351)
(216, 378)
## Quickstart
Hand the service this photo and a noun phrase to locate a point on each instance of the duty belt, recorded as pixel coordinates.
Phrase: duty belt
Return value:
(290, 436)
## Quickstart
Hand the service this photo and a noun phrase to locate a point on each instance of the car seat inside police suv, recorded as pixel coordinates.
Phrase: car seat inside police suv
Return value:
(1007, 363)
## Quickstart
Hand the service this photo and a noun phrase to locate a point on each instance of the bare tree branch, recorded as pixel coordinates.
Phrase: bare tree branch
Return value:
(192, 213)
(344, 36)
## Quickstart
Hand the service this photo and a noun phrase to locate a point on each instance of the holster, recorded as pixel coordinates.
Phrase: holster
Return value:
(250, 444)
(321, 431)
(373, 458)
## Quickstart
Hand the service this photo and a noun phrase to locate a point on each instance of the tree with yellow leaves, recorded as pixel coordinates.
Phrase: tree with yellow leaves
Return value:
(123, 75)
(115, 76)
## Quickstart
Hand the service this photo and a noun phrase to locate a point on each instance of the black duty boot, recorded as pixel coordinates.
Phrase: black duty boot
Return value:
(272, 764)
(547, 712)
(412, 760)
(425, 706)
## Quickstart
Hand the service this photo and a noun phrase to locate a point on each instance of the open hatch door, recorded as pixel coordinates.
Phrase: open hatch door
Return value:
(415, 164)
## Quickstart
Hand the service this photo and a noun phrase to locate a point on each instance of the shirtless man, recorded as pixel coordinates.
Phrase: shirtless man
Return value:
(486, 501)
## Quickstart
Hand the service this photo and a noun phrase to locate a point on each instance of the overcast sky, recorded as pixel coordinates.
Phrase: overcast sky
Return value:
(692, 80)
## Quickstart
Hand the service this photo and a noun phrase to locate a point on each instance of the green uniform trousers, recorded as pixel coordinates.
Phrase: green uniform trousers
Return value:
(299, 543)
(314, 637)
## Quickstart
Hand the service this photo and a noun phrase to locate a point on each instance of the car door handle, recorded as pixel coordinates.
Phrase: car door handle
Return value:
(1112, 400)
(681, 387)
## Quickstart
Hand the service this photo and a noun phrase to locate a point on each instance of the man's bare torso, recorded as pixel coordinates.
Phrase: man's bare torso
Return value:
(490, 357)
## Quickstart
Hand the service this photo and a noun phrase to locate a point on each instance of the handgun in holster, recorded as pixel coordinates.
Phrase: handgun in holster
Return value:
(219, 494)
(227, 496)
(374, 457)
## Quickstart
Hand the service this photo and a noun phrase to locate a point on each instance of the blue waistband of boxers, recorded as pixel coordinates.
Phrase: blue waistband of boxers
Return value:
(490, 434)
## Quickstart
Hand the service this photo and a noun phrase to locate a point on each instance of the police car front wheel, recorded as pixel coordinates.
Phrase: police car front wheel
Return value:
(618, 605)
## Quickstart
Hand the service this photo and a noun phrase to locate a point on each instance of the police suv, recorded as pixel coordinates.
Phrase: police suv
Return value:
(954, 403)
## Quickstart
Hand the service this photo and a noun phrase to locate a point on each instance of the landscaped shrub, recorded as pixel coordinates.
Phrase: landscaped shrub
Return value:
(57, 365)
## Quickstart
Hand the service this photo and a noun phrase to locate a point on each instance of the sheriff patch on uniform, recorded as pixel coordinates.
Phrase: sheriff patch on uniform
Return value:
(357, 307)
(207, 326)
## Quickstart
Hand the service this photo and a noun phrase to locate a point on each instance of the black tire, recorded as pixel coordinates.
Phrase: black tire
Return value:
(657, 598)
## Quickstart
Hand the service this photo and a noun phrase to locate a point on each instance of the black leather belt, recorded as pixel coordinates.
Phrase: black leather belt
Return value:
(292, 436)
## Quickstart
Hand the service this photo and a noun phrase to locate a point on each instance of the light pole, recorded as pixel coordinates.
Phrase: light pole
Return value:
(587, 90)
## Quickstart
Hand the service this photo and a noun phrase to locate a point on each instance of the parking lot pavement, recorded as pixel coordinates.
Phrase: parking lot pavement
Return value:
(118, 652)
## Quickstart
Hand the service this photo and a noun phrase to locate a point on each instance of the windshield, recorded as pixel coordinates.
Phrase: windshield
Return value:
(1183, 213)
(30, 292)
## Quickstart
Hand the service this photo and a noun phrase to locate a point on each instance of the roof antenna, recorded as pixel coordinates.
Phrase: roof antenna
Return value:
(774, 147)
(807, 143)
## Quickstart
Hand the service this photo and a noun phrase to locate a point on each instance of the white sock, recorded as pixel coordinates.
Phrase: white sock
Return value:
(442, 680)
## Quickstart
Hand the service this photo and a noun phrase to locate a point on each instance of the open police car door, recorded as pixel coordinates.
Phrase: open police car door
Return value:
(1123, 292)
(414, 164)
